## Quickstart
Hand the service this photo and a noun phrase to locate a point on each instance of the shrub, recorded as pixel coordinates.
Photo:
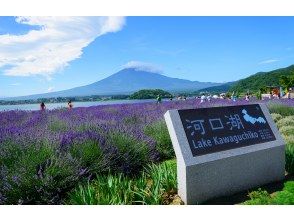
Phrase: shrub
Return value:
(37, 176)
(289, 186)
(159, 132)
(281, 109)
(276, 117)
(285, 197)
(287, 130)
(288, 139)
(131, 154)
(57, 125)
(91, 156)
(289, 158)
(287, 121)
(259, 197)
(132, 120)
(262, 197)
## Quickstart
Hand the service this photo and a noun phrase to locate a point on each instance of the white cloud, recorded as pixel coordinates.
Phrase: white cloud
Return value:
(50, 89)
(143, 66)
(268, 61)
(57, 41)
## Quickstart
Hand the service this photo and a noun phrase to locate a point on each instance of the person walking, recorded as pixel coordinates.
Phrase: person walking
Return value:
(42, 106)
(69, 104)
(158, 99)
(203, 98)
(247, 97)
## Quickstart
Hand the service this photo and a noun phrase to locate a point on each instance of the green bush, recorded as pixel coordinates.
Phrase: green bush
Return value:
(90, 156)
(285, 197)
(276, 117)
(290, 158)
(287, 130)
(37, 176)
(132, 120)
(262, 197)
(150, 94)
(158, 131)
(283, 110)
(57, 125)
(259, 197)
(132, 154)
(289, 186)
(287, 121)
(288, 139)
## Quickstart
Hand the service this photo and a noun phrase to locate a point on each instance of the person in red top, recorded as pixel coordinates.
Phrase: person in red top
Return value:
(70, 105)
(42, 106)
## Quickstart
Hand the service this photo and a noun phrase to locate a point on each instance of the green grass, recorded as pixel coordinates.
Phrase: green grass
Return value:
(151, 187)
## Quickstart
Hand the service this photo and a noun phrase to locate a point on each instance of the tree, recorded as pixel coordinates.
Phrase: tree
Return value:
(150, 94)
(287, 82)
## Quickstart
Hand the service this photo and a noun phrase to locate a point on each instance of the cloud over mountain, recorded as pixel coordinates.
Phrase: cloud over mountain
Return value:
(143, 66)
(53, 45)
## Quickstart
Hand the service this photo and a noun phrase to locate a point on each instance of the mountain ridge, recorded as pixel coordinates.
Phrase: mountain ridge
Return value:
(125, 82)
(253, 82)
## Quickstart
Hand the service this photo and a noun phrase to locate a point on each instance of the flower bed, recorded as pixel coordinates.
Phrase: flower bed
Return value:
(44, 155)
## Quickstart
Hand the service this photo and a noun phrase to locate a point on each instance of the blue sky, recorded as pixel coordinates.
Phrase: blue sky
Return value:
(40, 54)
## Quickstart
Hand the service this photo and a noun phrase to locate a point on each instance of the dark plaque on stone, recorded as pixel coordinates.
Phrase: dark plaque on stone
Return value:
(216, 129)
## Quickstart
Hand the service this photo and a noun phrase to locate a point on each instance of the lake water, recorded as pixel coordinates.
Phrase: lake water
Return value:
(31, 107)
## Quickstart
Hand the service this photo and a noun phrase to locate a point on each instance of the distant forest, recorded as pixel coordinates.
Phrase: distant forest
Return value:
(254, 83)
(64, 99)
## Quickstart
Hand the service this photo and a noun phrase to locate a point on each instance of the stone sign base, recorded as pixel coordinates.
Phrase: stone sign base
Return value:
(229, 175)
(204, 177)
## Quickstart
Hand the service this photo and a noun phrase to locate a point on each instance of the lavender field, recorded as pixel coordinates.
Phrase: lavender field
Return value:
(44, 155)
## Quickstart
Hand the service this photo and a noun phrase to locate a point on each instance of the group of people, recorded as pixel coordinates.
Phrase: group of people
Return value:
(159, 100)
(233, 97)
(43, 106)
